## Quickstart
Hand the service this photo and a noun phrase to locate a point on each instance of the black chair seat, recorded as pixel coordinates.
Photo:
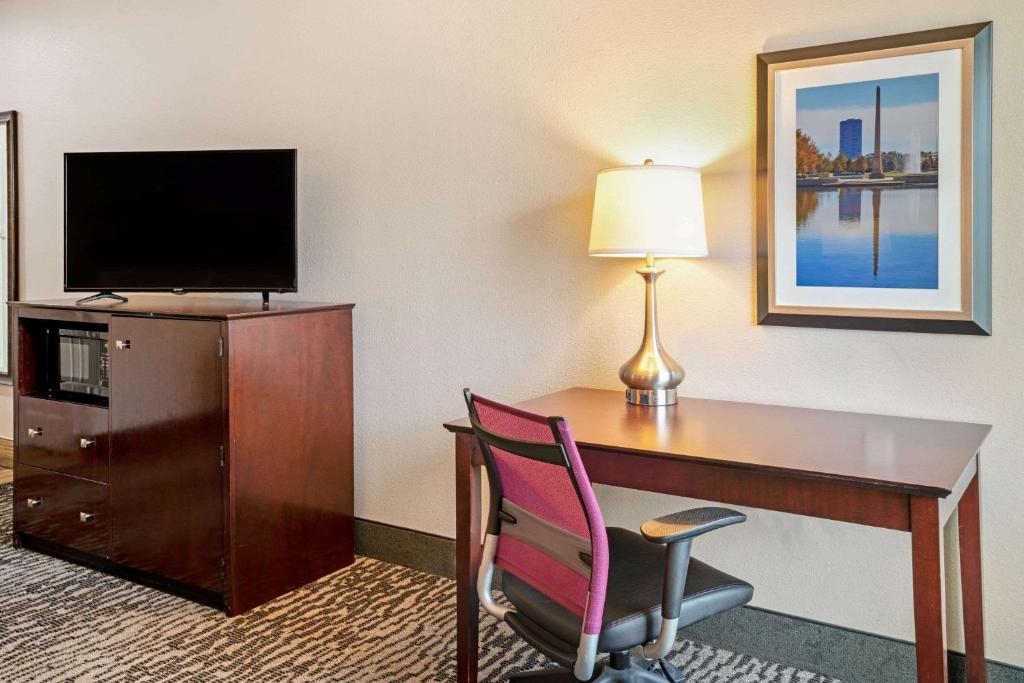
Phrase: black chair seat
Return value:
(632, 609)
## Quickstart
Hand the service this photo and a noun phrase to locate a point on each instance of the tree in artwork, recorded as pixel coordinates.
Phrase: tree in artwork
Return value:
(808, 158)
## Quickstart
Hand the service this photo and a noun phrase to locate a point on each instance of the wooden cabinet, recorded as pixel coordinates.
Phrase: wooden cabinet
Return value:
(218, 464)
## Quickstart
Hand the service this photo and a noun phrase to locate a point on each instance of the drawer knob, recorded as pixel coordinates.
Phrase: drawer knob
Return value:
(34, 502)
(33, 432)
(86, 517)
(123, 344)
(86, 443)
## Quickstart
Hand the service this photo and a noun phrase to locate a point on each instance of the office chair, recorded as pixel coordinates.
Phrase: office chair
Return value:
(577, 589)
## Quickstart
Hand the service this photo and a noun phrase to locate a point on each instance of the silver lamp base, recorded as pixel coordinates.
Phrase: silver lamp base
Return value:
(652, 397)
(651, 375)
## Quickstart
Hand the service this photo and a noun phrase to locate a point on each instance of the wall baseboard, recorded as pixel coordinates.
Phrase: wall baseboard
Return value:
(851, 656)
(406, 547)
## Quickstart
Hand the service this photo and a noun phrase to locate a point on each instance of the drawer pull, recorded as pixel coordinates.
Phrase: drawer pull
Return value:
(33, 432)
(34, 502)
(123, 344)
(86, 443)
(86, 517)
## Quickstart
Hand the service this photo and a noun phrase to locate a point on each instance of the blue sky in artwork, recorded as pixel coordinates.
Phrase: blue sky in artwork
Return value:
(910, 112)
(896, 93)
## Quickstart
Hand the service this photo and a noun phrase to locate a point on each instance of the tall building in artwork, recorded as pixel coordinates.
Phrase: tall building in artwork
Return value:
(851, 138)
(876, 163)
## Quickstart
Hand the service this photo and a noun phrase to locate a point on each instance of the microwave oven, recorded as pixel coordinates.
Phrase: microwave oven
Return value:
(83, 362)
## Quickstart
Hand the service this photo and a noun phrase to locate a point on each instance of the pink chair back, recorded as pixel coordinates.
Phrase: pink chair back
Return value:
(550, 531)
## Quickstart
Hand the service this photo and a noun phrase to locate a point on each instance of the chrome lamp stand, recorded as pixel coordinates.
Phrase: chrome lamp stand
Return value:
(651, 375)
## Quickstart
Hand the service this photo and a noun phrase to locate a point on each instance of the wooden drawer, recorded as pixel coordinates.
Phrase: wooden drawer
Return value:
(69, 438)
(61, 509)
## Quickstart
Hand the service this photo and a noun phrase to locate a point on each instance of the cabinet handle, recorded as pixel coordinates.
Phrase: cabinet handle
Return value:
(34, 502)
(86, 443)
(86, 517)
(33, 432)
(123, 344)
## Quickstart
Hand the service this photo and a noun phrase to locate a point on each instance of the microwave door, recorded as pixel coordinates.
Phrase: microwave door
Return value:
(68, 360)
(83, 364)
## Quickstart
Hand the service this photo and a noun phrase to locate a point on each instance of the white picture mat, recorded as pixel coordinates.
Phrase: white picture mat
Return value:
(947, 64)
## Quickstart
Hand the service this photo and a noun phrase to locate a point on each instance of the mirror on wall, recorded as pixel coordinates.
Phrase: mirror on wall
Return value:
(8, 233)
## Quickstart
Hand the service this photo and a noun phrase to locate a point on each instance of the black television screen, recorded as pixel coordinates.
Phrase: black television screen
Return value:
(186, 221)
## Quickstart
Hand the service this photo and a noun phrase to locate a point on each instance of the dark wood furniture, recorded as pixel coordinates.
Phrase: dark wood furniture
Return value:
(889, 472)
(220, 467)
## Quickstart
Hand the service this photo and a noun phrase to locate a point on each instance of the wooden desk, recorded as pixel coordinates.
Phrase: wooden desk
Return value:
(888, 472)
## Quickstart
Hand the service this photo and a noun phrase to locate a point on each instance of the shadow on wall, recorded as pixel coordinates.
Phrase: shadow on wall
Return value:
(549, 288)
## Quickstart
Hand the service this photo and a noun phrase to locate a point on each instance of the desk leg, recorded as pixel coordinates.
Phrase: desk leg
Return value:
(467, 558)
(929, 613)
(969, 516)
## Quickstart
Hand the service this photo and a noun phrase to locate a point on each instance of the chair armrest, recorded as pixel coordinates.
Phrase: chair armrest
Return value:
(677, 531)
(680, 526)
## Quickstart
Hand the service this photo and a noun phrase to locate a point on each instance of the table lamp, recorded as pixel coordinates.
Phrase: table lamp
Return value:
(649, 212)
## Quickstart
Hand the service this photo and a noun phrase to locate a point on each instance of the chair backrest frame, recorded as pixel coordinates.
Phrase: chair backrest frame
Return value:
(562, 452)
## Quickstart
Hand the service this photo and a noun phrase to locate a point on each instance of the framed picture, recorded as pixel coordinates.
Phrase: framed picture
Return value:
(874, 183)
(8, 234)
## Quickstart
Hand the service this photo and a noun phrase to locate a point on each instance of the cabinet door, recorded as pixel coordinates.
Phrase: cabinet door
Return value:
(166, 419)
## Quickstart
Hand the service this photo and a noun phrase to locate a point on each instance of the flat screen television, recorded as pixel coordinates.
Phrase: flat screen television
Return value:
(180, 221)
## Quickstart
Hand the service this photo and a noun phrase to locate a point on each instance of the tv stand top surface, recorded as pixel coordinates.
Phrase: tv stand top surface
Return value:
(222, 308)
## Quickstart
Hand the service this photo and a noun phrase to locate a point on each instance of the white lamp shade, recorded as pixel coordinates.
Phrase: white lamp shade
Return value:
(640, 210)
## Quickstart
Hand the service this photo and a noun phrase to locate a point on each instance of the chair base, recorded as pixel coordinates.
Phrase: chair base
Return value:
(633, 674)
(558, 675)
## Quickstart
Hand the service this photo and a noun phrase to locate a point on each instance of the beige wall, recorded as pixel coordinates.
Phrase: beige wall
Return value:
(447, 157)
(6, 412)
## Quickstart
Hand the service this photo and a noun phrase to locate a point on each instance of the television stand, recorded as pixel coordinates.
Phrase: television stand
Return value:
(101, 296)
(184, 478)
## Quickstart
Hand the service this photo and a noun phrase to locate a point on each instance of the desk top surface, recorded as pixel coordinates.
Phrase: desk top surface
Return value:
(196, 306)
(910, 454)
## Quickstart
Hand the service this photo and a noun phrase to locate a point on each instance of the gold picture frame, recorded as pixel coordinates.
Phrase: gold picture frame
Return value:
(964, 306)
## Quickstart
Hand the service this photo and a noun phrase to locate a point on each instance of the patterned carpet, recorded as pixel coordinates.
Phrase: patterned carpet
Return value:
(372, 622)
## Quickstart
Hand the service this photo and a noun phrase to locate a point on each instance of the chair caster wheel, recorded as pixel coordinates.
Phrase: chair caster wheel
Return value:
(670, 672)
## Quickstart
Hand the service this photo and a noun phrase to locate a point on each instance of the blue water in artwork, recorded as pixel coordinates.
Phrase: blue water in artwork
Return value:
(867, 237)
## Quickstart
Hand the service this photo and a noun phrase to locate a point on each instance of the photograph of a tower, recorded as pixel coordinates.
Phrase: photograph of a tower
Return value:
(856, 226)
(868, 217)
